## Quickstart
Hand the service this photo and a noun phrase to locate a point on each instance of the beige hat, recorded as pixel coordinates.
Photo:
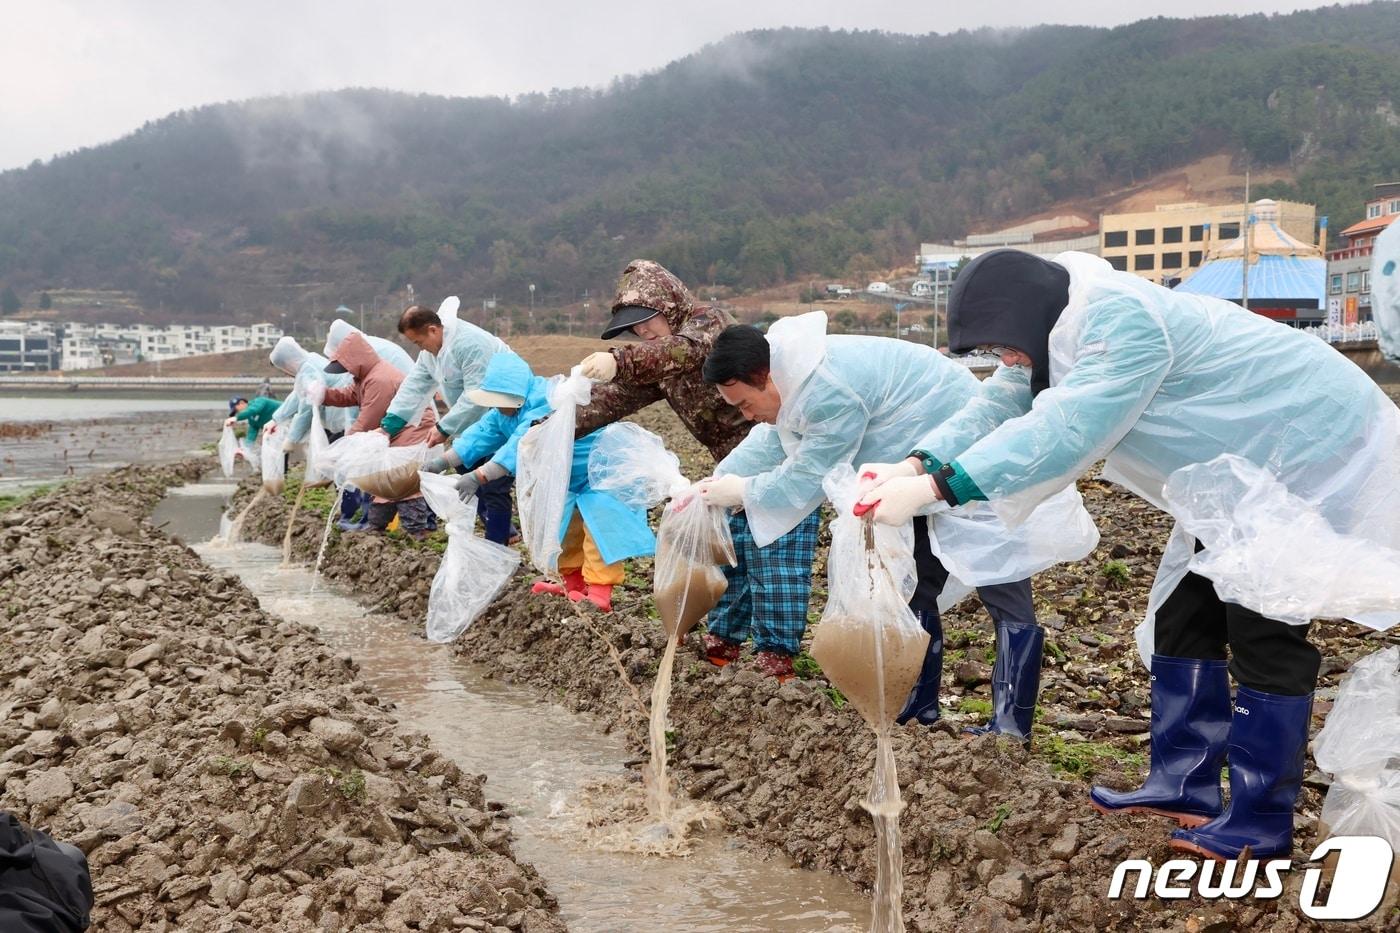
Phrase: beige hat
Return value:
(488, 399)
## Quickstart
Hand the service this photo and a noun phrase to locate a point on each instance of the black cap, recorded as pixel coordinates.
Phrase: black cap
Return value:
(625, 317)
(335, 367)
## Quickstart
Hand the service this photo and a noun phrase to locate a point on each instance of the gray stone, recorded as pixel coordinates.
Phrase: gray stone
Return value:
(988, 845)
(143, 656)
(50, 714)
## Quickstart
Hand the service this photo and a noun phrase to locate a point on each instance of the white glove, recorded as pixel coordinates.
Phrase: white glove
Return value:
(230, 422)
(271, 429)
(600, 367)
(873, 474)
(897, 500)
(726, 492)
(316, 392)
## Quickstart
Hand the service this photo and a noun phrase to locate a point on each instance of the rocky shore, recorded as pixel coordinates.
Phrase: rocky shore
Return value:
(222, 769)
(995, 838)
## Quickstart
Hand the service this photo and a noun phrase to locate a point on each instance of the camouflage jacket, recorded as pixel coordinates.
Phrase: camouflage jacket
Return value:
(668, 368)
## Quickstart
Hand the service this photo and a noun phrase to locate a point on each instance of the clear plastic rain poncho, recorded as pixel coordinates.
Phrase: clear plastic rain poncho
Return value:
(544, 463)
(309, 369)
(1206, 411)
(387, 350)
(460, 365)
(1385, 289)
(318, 470)
(1359, 746)
(228, 450)
(473, 571)
(633, 465)
(861, 399)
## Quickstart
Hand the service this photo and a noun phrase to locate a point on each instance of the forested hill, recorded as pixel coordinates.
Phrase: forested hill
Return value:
(766, 156)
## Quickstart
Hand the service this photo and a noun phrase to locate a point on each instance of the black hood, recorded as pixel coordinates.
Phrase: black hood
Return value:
(1011, 299)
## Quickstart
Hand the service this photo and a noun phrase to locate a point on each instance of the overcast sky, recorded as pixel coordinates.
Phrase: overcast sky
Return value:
(75, 73)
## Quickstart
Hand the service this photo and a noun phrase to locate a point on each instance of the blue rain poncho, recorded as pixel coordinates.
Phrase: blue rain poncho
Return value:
(1273, 450)
(294, 414)
(852, 400)
(1385, 289)
(387, 350)
(619, 530)
(455, 370)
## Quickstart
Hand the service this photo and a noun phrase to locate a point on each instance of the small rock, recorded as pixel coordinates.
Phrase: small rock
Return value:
(143, 656)
(1066, 843)
(48, 789)
(50, 714)
(114, 521)
(137, 588)
(338, 737)
(1013, 887)
(988, 845)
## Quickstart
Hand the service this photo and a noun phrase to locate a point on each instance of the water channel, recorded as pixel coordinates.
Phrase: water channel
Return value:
(536, 756)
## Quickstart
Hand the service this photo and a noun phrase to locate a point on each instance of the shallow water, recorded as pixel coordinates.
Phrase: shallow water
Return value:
(539, 759)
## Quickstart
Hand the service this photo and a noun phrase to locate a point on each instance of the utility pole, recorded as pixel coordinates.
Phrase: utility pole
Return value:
(1244, 263)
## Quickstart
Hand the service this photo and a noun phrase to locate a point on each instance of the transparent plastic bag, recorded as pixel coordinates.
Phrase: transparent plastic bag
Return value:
(632, 465)
(1359, 746)
(545, 461)
(228, 451)
(274, 463)
(1274, 552)
(367, 462)
(317, 472)
(473, 571)
(869, 643)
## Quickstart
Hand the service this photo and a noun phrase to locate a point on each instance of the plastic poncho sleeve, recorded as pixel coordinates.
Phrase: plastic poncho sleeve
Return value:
(413, 395)
(1004, 395)
(471, 360)
(758, 453)
(1122, 356)
(778, 499)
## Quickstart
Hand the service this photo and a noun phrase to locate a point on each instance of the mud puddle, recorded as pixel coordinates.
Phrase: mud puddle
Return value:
(539, 758)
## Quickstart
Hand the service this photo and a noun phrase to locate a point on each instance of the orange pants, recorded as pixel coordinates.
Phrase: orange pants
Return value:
(580, 551)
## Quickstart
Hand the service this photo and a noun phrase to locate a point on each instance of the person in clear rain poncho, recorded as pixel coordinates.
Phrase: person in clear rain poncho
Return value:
(1385, 289)
(452, 359)
(825, 401)
(1279, 459)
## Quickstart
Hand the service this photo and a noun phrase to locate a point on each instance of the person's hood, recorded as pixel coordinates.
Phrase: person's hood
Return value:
(287, 355)
(1009, 298)
(340, 329)
(356, 355)
(796, 347)
(649, 284)
(506, 383)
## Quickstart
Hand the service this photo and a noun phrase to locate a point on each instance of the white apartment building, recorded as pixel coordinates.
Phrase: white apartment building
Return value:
(89, 346)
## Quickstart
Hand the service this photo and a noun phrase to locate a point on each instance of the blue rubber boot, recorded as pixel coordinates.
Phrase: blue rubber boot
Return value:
(351, 502)
(497, 523)
(1015, 680)
(1268, 739)
(1190, 727)
(922, 705)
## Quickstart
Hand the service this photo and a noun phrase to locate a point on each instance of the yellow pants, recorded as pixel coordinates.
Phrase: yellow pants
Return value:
(580, 551)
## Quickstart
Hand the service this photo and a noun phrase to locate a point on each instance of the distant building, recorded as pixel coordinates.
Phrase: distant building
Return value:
(28, 347)
(1047, 237)
(1349, 265)
(90, 346)
(1166, 244)
(1285, 275)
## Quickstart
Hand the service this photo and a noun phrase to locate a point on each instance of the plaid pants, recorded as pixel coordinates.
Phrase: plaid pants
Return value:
(768, 590)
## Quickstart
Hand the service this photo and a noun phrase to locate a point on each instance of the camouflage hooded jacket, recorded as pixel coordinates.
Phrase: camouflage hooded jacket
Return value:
(668, 368)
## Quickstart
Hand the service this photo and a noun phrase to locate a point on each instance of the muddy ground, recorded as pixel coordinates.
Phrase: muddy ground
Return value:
(222, 769)
(995, 838)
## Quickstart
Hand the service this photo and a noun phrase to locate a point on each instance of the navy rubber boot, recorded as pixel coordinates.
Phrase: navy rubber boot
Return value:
(1015, 680)
(497, 524)
(1190, 727)
(922, 705)
(1268, 739)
